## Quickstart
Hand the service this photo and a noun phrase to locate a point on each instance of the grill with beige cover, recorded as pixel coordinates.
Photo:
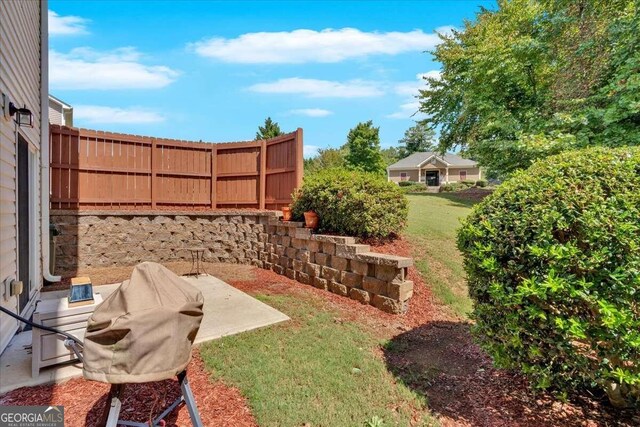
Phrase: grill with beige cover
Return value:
(144, 332)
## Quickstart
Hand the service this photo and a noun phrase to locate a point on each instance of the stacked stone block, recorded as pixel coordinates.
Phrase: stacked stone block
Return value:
(339, 265)
(333, 263)
(121, 239)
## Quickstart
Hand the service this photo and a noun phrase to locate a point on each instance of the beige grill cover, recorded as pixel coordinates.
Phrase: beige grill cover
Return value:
(144, 330)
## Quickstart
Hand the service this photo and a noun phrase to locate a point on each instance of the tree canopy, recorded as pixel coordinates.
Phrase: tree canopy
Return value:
(363, 148)
(534, 78)
(270, 129)
(327, 158)
(417, 138)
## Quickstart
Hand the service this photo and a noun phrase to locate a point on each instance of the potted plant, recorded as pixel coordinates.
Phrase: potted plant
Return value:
(286, 213)
(310, 219)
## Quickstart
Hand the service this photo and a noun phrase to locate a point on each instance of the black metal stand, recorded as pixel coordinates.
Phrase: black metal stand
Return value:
(114, 404)
(197, 262)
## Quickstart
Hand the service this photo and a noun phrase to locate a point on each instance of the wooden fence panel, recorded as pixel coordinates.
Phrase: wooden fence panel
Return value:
(283, 169)
(102, 170)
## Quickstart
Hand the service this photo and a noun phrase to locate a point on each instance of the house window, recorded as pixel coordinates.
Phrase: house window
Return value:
(403, 176)
(463, 175)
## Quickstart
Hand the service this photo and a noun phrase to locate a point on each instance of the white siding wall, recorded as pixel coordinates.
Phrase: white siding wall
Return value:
(20, 80)
(55, 113)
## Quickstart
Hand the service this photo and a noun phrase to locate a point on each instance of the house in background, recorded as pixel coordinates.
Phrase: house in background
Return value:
(434, 169)
(24, 160)
(60, 113)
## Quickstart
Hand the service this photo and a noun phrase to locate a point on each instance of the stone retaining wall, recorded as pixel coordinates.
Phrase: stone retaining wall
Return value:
(334, 263)
(338, 264)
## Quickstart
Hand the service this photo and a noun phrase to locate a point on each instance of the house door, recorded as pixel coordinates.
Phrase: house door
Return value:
(432, 178)
(23, 222)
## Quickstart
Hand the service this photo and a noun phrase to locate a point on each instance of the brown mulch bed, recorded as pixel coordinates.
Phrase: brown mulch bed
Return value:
(84, 401)
(474, 193)
(440, 360)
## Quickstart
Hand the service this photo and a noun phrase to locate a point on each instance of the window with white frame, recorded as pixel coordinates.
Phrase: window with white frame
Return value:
(463, 175)
(403, 176)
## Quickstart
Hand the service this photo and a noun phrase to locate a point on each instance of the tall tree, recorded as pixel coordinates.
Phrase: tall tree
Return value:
(417, 138)
(363, 145)
(270, 129)
(325, 159)
(533, 78)
(390, 155)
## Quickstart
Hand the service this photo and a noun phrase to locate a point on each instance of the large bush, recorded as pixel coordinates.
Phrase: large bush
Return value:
(553, 264)
(352, 203)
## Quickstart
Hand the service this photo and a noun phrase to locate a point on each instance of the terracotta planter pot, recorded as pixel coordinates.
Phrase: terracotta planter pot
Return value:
(286, 213)
(310, 219)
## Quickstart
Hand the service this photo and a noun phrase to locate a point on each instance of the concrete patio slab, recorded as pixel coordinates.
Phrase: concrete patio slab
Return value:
(227, 311)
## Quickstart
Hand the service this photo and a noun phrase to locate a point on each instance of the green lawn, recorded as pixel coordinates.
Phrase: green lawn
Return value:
(314, 370)
(433, 221)
(317, 370)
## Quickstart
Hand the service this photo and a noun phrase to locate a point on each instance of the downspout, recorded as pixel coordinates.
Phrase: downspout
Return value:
(44, 142)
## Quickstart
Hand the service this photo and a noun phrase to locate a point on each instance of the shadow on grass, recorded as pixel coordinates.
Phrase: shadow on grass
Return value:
(452, 198)
(439, 361)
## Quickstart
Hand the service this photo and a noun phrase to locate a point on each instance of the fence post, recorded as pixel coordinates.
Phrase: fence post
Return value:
(299, 158)
(214, 156)
(263, 173)
(153, 173)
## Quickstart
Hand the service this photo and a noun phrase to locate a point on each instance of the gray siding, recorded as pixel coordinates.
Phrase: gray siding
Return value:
(20, 80)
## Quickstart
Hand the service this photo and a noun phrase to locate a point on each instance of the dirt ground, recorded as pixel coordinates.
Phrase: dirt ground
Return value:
(431, 351)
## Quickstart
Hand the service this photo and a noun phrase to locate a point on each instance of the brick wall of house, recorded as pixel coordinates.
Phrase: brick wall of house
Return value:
(333, 263)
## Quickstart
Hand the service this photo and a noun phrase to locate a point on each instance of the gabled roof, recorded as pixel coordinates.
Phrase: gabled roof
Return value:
(417, 160)
(59, 101)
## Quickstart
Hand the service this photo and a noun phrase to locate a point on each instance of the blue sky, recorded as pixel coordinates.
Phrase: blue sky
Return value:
(213, 71)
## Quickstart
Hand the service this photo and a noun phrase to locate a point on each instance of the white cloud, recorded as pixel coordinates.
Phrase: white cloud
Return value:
(66, 25)
(409, 108)
(309, 150)
(311, 112)
(411, 88)
(302, 46)
(313, 88)
(94, 114)
(85, 68)
(446, 30)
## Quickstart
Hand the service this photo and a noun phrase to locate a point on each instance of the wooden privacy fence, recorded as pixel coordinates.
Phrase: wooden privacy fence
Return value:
(111, 171)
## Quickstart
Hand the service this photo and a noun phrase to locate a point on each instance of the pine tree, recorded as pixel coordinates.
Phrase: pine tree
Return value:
(417, 138)
(270, 129)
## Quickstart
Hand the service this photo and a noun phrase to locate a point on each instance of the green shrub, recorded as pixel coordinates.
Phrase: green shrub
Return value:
(452, 186)
(352, 203)
(553, 263)
(407, 183)
(468, 182)
(481, 183)
(414, 188)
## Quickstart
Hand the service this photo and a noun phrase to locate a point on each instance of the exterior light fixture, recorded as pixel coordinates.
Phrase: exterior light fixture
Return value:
(24, 117)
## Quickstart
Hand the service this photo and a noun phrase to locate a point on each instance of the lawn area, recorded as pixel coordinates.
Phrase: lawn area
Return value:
(433, 221)
(316, 370)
